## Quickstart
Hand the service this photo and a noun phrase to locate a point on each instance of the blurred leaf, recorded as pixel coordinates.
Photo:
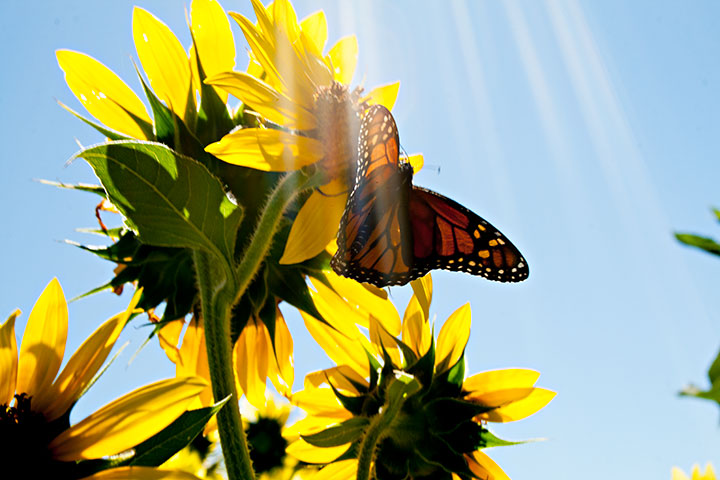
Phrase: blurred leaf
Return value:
(704, 243)
(346, 432)
(171, 200)
(714, 371)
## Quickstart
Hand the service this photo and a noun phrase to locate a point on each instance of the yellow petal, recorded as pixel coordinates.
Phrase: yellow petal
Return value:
(314, 227)
(364, 299)
(343, 59)
(141, 473)
(516, 408)
(283, 366)
(385, 95)
(336, 311)
(342, 378)
(261, 48)
(251, 356)
(501, 379)
(169, 339)
(8, 359)
(341, 349)
(305, 452)
(84, 364)
(415, 328)
(264, 99)
(343, 470)
(484, 467)
(314, 27)
(127, 421)
(43, 343)
(417, 161)
(423, 289)
(165, 63)
(320, 402)
(104, 94)
(194, 361)
(213, 39)
(382, 340)
(265, 149)
(453, 338)
(678, 474)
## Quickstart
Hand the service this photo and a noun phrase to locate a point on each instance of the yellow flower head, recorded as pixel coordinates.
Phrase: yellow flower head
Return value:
(35, 400)
(709, 473)
(409, 394)
(309, 114)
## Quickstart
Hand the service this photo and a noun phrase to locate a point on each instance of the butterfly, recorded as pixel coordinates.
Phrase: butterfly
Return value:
(393, 232)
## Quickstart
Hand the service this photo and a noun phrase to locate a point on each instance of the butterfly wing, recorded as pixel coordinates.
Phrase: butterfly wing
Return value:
(374, 239)
(392, 232)
(449, 236)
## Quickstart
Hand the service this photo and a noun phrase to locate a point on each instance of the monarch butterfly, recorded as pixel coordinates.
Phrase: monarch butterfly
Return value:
(392, 232)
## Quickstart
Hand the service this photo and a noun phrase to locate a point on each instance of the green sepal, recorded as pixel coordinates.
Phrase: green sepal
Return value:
(490, 440)
(353, 405)
(424, 368)
(288, 283)
(449, 383)
(348, 431)
(157, 449)
(111, 134)
(172, 131)
(83, 187)
(213, 118)
(165, 274)
(169, 199)
(444, 414)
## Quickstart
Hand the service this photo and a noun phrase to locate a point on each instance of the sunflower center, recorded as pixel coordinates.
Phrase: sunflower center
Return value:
(267, 445)
(24, 438)
(337, 110)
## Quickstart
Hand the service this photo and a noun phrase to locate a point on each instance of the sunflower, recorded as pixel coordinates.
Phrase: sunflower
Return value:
(35, 401)
(709, 474)
(406, 402)
(172, 72)
(309, 115)
(255, 357)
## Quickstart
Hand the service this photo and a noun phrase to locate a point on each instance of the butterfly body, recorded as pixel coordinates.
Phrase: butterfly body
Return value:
(393, 232)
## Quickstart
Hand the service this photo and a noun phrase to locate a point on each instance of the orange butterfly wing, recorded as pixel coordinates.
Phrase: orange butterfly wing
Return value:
(392, 232)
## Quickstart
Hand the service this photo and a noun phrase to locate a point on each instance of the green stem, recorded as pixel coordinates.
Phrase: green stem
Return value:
(284, 192)
(376, 432)
(216, 298)
(220, 288)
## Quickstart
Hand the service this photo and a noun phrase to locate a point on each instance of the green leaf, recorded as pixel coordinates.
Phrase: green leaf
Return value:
(157, 449)
(169, 199)
(346, 432)
(703, 243)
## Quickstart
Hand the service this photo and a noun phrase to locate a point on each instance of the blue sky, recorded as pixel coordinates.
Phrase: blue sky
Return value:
(586, 131)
